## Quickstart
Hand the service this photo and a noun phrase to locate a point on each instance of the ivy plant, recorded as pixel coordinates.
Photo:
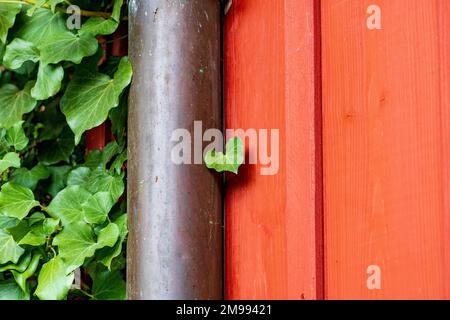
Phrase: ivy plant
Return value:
(230, 161)
(63, 221)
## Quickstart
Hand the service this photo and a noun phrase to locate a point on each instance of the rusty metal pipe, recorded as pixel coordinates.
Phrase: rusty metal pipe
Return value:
(175, 239)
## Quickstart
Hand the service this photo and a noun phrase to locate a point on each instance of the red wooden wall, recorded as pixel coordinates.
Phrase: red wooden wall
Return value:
(376, 105)
(273, 235)
(386, 130)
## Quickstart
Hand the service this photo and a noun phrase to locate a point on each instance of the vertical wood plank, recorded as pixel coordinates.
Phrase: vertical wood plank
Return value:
(386, 102)
(96, 138)
(273, 247)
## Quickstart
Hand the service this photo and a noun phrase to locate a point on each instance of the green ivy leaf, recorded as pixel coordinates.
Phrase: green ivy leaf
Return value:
(91, 95)
(68, 205)
(58, 179)
(16, 201)
(19, 231)
(50, 225)
(18, 52)
(42, 25)
(107, 285)
(78, 176)
(53, 281)
(106, 255)
(20, 266)
(33, 238)
(14, 103)
(30, 178)
(26, 70)
(82, 204)
(16, 138)
(108, 236)
(3, 144)
(119, 162)
(94, 160)
(22, 277)
(36, 218)
(102, 181)
(39, 232)
(8, 222)
(54, 151)
(97, 207)
(97, 181)
(8, 12)
(10, 160)
(9, 290)
(112, 149)
(66, 46)
(99, 159)
(119, 118)
(9, 249)
(99, 26)
(76, 242)
(48, 82)
(231, 161)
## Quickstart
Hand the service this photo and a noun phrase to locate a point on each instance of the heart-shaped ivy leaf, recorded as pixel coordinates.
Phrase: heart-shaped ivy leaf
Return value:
(16, 138)
(107, 285)
(91, 95)
(54, 282)
(14, 103)
(231, 161)
(16, 201)
(97, 207)
(68, 205)
(66, 46)
(77, 242)
(30, 178)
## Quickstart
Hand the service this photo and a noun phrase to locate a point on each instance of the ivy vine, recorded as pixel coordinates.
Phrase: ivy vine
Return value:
(63, 224)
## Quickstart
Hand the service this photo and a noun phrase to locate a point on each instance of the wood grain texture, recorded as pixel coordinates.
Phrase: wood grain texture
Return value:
(273, 227)
(386, 130)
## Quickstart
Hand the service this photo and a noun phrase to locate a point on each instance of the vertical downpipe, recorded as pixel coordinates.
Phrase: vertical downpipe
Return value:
(175, 240)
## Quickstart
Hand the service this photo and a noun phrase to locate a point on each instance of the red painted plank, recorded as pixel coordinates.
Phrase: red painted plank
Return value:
(273, 247)
(386, 130)
(96, 138)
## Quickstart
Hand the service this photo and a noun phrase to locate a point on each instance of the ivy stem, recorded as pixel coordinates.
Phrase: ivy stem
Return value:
(86, 293)
(53, 250)
(85, 13)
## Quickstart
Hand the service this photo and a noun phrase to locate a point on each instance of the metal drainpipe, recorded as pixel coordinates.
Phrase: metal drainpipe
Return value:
(175, 239)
